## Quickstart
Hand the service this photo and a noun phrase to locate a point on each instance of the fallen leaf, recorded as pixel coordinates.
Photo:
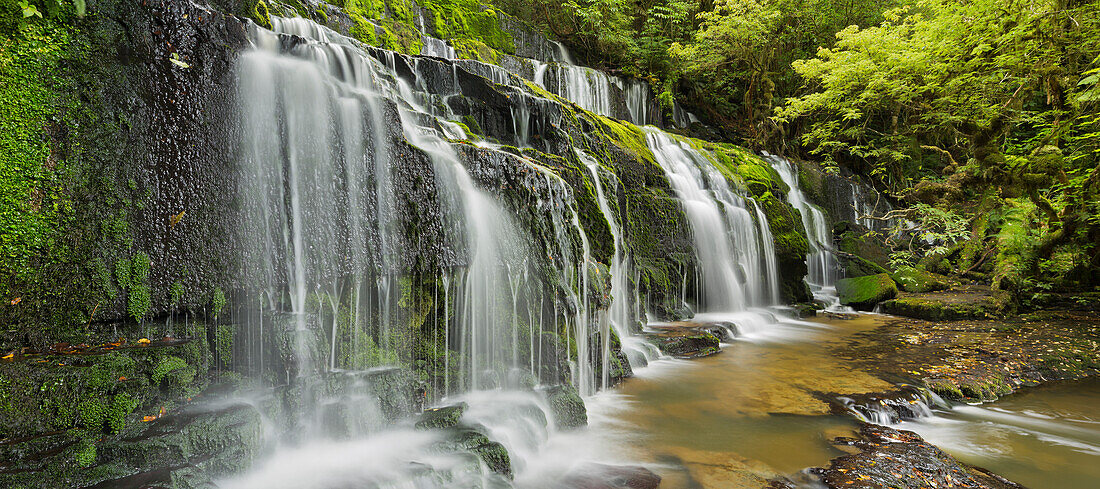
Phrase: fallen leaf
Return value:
(176, 219)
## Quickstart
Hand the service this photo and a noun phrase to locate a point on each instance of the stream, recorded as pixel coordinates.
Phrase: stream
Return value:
(750, 414)
(1046, 436)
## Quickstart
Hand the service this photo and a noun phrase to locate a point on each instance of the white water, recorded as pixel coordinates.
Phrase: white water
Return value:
(734, 269)
(437, 48)
(622, 311)
(323, 210)
(314, 143)
(822, 266)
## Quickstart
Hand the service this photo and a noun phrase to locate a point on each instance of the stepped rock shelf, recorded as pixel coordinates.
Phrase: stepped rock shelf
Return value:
(383, 244)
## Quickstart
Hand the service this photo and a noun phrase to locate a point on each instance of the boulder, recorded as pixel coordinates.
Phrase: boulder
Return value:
(702, 344)
(892, 458)
(566, 406)
(864, 292)
(969, 302)
(911, 279)
(442, 417)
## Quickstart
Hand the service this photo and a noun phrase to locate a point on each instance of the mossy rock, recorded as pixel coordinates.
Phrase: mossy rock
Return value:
(443, 417)
(944, 388)
(911, 279)
(566, 406)
(699, 345)
(861, 252)
(856, 266)
(864, 292)
(972, 302)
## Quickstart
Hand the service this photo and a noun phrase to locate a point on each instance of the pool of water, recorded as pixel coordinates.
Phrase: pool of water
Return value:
(740, 417)
(1044, 437)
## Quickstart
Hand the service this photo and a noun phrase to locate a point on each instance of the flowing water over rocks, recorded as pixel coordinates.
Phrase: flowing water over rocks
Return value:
(442, 272)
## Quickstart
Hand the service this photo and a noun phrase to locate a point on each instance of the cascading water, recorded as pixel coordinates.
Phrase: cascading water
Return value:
(325, 123)
(823, 269)
(737, 274)
(730, 243)
(622, 312)
(314, 142)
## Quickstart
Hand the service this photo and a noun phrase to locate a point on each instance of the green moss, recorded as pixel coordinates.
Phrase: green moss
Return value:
(139, 268)
(865, 292)
(121, 406)
(363, 30)
(85, 453)
(138, 301)
(260, 14)
(223, 344)
(176, 293)
(625, 135)
(945, 389)
(122, 273)
(92, 413)
(33, 201)
(218, 301)
(166, 366)
(476, 50)
(469, 19)
(912, 279)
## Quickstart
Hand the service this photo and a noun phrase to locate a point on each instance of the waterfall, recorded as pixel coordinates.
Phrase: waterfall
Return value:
(324, 122)
(622, 312)
(436, 47)
(821, 263)
(731, 245)
(593, 90)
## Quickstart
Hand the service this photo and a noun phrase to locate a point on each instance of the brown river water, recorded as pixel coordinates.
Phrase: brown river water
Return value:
(753, 412)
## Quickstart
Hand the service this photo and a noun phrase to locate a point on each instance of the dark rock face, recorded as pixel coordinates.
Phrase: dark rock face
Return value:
(902, 459)
(145, 141)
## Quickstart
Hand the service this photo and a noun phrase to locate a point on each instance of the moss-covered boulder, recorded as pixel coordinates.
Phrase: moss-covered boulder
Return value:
(864, 292)
(463, 439)
(969, 302)
(698, 345)
(442, 417)
(911, 279)
(860, 251)
(566, 406)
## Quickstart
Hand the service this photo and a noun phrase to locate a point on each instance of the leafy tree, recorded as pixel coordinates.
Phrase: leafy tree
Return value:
(947, 98)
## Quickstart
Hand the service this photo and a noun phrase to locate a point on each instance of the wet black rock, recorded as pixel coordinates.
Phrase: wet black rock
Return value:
(690, 346)
(902, 459)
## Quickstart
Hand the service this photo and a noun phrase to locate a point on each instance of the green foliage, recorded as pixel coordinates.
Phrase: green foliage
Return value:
(92, 413)
(121, 406)
(176, 293)
(218, 301)
(223, 344)
(123, 273)
(940, 227)
(138, 301)
(166, 366)
(85, 452)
